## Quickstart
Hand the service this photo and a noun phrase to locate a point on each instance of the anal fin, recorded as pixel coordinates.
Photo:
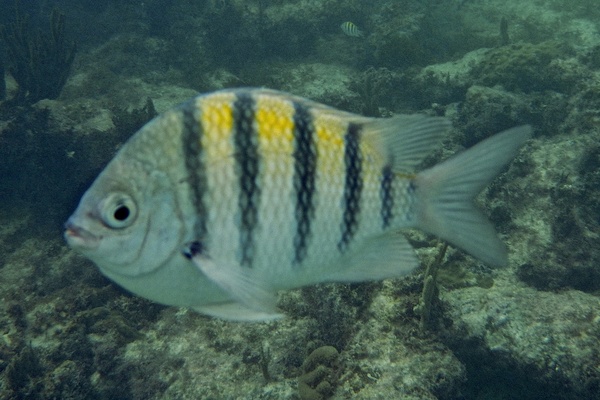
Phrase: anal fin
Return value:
(234, 311)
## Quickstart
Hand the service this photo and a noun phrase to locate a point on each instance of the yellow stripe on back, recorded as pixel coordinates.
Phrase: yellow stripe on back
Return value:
(217, 126)
(330, 144)
(274, 124)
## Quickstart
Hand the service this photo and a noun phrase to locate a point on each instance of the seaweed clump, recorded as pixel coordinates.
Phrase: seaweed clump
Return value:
(335, 310)
(39, 63)
(372, 86)
(24, 371)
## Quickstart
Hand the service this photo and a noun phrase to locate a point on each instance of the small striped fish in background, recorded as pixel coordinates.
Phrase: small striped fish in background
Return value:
(224, 200)
(350, 29)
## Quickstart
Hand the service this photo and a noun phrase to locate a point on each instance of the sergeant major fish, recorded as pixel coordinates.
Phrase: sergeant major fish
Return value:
(350, 29)
(232, 196)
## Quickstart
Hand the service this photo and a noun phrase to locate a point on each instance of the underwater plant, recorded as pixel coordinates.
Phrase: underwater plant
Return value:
(39, 63)
(429, 294)
(371, 87)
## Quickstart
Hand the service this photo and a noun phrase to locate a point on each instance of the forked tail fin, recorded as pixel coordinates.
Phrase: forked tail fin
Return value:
(445, 193)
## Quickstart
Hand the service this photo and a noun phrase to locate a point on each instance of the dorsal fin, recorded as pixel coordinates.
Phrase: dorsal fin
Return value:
(406, 139)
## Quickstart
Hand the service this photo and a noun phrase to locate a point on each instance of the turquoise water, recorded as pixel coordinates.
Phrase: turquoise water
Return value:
(82, 76)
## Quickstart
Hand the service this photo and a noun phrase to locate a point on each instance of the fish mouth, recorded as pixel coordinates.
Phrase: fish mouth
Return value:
(80, 238)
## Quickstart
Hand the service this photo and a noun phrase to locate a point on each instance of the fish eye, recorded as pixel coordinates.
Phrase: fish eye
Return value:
(118, 210)
(121, 213)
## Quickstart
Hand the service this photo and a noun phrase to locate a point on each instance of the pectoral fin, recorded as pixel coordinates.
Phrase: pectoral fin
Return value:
(253, 299)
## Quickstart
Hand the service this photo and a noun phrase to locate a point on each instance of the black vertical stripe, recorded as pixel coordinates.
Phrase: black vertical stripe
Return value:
(305, 164)
(194, 164)
(410, 195)
(352, 186)
(386, 196)
(247, 166)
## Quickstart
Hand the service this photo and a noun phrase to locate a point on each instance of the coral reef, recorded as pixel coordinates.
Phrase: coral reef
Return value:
(549, 348)
(496, 109)
(574, 227)
(321, 371)
(526, 67)
(128, 122)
